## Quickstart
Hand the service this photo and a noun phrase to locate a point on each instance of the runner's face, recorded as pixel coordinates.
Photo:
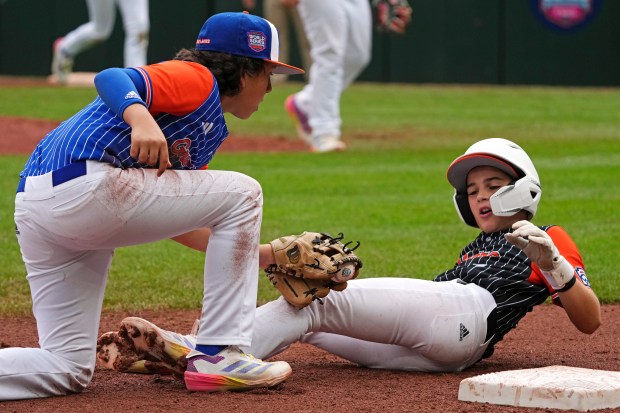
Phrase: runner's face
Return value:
(253, 90)
(482, 182)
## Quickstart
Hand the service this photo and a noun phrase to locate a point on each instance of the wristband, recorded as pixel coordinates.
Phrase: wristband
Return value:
(568, 285)
(562, 273)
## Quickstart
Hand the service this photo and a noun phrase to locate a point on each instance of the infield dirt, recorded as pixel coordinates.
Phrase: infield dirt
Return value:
(322, 382)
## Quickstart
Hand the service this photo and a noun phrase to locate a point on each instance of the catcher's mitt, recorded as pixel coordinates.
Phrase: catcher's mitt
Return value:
(391, 16)
(300, 292)
(315, 255)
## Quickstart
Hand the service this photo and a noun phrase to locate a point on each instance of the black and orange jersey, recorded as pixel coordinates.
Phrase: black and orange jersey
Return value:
(515, 282)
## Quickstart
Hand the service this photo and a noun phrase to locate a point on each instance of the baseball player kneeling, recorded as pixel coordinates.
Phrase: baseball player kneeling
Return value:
(129, 169)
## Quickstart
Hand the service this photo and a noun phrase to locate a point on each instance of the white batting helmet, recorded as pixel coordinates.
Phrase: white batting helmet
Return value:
(522, 194)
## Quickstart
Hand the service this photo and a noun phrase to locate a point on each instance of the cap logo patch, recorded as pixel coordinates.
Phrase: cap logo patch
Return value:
(257, 41)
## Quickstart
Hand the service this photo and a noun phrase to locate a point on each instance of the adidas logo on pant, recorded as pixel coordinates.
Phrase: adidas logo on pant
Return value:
(463, 332)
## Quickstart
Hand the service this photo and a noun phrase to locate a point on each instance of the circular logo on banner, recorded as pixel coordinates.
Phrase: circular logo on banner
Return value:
(565, 15)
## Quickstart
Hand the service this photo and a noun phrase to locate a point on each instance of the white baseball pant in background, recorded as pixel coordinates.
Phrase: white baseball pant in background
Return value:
(102, 15)
(340, 37)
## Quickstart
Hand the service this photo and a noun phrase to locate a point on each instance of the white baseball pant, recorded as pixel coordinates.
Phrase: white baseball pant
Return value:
(387, 323)
(102, 14)
(340, 36)
(68, 233)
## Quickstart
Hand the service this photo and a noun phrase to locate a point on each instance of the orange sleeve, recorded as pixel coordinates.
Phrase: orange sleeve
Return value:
(568, 249)
(178, 87)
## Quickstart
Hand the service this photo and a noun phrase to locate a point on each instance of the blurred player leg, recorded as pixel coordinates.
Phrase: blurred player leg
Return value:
(101, 14)
(325, 23)
(136, 23)
(276, 13)
(359, 40)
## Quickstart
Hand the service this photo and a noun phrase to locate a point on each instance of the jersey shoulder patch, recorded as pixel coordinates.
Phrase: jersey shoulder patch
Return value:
(581, 273)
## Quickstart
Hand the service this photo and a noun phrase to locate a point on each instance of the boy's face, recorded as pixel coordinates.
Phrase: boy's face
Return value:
(482, 182)
(253, 90)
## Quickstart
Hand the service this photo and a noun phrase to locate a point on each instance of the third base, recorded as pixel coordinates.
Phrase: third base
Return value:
(557, 387)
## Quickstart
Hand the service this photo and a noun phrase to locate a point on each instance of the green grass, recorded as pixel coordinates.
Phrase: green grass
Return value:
(389, 190)
(53, 103)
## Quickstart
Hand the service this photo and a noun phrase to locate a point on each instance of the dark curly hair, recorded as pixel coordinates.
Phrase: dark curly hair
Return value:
(227, 69)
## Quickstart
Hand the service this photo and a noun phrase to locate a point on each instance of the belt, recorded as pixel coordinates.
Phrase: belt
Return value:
(491, 324)
(60, 176)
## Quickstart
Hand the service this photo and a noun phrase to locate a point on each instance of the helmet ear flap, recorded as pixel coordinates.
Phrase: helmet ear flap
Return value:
(524, 194)
(462, 207)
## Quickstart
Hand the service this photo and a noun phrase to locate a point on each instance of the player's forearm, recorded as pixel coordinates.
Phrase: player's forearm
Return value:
(148, 143)
(265, 256)
(137, 115)
(582, 307)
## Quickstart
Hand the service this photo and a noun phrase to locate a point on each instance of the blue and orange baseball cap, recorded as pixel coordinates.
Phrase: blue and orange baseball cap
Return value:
(243, 34)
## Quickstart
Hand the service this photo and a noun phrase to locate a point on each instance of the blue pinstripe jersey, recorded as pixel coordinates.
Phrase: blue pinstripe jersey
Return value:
(97, 133)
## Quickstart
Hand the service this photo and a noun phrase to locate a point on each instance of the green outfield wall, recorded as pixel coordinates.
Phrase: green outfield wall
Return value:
(449, 41)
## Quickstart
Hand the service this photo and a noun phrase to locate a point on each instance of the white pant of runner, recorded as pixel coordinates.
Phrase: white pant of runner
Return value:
(387, 323)
(68, 233)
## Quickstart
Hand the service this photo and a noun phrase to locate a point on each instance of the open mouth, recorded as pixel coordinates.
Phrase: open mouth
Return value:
(485, 212)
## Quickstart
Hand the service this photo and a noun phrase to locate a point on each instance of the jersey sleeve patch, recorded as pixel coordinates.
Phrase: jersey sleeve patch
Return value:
(581, 274)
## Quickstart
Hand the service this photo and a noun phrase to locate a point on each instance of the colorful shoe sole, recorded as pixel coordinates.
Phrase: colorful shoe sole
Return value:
(216, 383)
